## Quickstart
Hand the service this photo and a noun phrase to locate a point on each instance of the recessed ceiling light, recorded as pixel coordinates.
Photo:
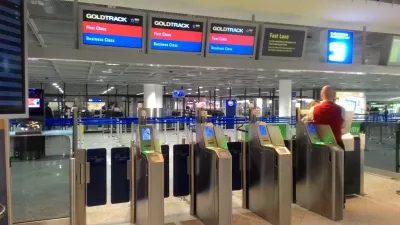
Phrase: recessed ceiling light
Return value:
(191, 75)
(189, 93)
(112, 64)
(260, 77)
(205, 91)
(200, 87)
(217, 89)
(165, 82)
(175, 79)
(189, 89)
(55, 84)
(107, 71)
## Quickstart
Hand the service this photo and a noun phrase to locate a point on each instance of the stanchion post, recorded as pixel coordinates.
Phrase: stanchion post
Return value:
(177, 133)
(165, 132)
(75, 131)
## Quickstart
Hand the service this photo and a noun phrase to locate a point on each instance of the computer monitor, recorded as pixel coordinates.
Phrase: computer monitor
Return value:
(146, 134)
(311, 129)
(263, 130)
(209, 132)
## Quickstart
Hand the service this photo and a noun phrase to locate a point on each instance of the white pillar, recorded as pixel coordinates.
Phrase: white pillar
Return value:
(153, 96)
(285, 98)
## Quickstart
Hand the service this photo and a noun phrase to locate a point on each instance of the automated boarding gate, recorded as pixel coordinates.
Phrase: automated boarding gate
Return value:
(319, 184)
(268, 183)
(211, 175)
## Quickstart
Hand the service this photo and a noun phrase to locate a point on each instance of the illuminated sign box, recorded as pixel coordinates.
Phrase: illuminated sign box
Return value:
(231, 39)
(390, 53)
(111, 28)
(13, 74)
(176, 34)
(282, 42)
(337, 46)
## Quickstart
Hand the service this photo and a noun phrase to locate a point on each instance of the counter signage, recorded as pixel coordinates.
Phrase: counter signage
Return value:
(112, 29)
(279, 42)
(231, 39)
(13, 94)
(176, 35)
(339, 47)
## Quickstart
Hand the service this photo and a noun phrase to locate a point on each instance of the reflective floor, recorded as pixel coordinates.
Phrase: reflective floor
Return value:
(44, 184)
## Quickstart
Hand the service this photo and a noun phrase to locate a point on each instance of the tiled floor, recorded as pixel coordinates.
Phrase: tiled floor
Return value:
(380, 205)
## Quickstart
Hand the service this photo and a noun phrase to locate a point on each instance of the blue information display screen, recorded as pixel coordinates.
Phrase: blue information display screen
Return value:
(146, 134)
(339, 47)
(263, 130)
(231, 103)
(112, 29)
(12, 57)
(311, 129)
(179, 94)
(231, 39)
(176, 35)
(209, 132)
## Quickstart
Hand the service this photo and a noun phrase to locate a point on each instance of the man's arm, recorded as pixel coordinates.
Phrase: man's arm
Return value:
(310, 116)
(343, 117)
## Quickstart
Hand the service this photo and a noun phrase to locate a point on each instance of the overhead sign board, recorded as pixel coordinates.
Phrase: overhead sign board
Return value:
(390, 53)
(282, 42)
(120, 29)
(176, 34)
(231, 103)
(337, 46)
(233, 39)
(13, 75)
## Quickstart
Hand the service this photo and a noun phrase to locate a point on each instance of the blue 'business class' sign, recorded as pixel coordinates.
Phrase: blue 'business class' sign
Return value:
(339, 47)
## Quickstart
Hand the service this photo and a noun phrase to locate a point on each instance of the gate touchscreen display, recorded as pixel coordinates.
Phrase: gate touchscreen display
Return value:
(311, 128)
(176, 35)
(209, 132)
(231, 39)
(146, 134)
(112, 29)
(263, 130)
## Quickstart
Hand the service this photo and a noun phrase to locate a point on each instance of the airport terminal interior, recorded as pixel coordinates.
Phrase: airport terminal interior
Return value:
(154, 112)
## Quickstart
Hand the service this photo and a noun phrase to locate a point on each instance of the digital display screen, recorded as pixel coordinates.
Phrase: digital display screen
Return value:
(146, 134)
(112, 29)
(209, 132)
(263, 130)
(231, 39)
(394, 57)
(12, 57)
(176, 35)
(339, 47)
(283, 42)
(179, 94)
(34, 102)
(94, 100)
(230, 103)
(311, 128)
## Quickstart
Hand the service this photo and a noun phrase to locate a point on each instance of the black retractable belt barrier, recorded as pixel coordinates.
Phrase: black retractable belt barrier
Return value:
(235, 148)
(97, 186)
(165, 152)
(181, 173)
(120, 190)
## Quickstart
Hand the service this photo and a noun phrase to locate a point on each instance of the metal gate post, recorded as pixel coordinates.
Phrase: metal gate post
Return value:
(78, 180)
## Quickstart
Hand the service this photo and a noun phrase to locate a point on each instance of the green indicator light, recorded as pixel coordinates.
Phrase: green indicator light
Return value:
(320, 143)
(147, 151)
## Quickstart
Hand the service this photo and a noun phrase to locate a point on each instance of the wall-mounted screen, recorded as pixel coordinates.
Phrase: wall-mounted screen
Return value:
(176, 35)
(282, 42)
(34, 102)
(209, 132)
(179, 94)
(94, 100)
(12, 58)
(337, 46)
(263, 130)
(231, 103)
(146, 134)
(394, 57)
(111, 28)
(311, 128)
(390, 53)
(231, 39)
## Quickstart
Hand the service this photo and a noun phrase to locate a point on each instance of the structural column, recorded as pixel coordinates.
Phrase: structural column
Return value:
(285, 98)
(153, 99)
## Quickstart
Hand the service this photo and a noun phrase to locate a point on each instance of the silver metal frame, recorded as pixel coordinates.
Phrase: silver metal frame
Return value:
(189, 19)
(99, 47)
(239, 23)
(261, 44)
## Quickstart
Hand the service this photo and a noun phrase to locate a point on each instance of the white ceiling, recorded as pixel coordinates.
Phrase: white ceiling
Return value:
(52, 24)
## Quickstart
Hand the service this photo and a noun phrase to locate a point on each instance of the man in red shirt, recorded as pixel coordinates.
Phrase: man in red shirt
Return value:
(329, 113)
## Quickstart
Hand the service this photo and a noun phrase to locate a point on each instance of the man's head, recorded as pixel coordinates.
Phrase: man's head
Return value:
(328, 93)
(47, 103)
